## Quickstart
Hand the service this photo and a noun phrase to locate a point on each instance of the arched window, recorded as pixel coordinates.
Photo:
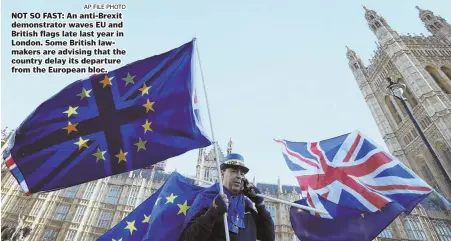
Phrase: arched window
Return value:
(414, 228)
(401, 108)
(392, 109)
(432, 28)
(446, 71)
(427, 173)
(410, 98)
(437, 24)
(442, 83)
(445, 151)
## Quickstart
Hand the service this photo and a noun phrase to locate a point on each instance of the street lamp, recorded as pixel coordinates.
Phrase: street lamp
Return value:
(397, 90)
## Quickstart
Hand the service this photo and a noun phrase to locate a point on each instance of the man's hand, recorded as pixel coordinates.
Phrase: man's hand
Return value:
(251, 192)
(221, 204)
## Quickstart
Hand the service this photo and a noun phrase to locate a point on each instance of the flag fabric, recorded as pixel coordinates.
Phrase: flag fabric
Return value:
(236, 208)
(161, 217)
(130, 118)
(350, 226)
(165, 214)
(362, 187)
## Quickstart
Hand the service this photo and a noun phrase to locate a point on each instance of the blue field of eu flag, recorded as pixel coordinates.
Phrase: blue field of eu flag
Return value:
(161, 217)
(347, 225)
(126, 119)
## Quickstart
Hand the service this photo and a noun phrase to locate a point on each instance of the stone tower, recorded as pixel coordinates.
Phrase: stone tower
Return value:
(435, 24)
(206, 168)
(423, 64)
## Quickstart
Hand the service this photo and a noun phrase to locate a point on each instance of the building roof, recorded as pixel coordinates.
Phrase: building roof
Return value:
(273, 188)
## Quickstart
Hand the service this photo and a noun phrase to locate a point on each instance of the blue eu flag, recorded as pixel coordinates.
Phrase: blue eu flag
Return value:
(129, 118)
(348, 224)
(161, 217)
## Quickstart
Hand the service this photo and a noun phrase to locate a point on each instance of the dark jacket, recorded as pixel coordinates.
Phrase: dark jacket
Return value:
(206, 225)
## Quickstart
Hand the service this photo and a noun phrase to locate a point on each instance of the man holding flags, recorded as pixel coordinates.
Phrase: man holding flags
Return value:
(182, 211)
(205, 221)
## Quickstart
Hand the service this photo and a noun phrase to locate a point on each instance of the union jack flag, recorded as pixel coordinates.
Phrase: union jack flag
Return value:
(352, 172)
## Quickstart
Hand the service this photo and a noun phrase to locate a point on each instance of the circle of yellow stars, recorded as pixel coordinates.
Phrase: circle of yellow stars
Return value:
(107, 81)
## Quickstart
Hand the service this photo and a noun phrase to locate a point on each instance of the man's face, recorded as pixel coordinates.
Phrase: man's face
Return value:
(232, 179)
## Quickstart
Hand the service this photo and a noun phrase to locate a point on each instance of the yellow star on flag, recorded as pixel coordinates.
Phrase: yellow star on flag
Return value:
(71, 127)
(170, 198)
(129, 79)
(146, 126)
(146, 219)
(144, 89)
(99, 154)
(183, 208)
(121, 156)
(84, 93)
(131, 226)
(71, 111)
(141, 144)
(214, 204)
(82, 143)
(363, 215)
(149, 106)
(106, 81)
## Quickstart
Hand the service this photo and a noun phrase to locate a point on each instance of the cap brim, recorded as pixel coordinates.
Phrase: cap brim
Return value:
(243, 168)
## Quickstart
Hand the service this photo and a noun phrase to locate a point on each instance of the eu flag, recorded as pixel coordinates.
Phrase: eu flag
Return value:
(347, 225)
(161, 217)
(130, 118)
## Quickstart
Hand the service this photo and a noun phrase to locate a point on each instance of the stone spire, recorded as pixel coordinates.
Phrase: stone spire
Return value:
(229, 146)
(435, 24)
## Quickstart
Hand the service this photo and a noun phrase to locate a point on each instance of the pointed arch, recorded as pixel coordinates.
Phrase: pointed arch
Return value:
(400, 107)
(438, 25)
(410, 97)
(442, 83)
(392, 109)
(446, 71)
(427, 172)
(444, 150)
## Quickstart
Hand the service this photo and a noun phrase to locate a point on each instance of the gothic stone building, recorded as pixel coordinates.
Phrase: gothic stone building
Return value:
(78, 213)
(423, 64)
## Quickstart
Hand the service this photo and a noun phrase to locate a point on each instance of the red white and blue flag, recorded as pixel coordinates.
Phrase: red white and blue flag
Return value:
(361, 187)
(350, 170)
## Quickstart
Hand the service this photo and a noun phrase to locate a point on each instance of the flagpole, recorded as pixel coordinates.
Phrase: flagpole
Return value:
(221, 189)
(278, 200)
(5, 145)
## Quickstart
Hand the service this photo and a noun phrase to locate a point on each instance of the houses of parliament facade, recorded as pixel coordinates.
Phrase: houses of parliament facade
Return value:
(86, 211)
